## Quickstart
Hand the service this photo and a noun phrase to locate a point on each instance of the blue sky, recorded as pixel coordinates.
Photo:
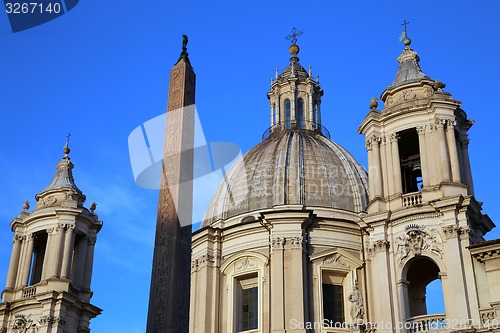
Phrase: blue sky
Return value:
(102, 69)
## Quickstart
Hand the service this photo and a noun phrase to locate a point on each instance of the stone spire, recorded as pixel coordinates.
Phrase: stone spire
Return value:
(171, 273)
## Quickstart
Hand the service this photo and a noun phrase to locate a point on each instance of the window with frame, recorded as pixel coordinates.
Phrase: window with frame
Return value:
(300, 113)
(288, 119)
(333, 303)
(247, 303)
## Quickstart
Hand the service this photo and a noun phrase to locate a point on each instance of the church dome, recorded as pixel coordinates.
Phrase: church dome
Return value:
(295, 167)
(296, 164)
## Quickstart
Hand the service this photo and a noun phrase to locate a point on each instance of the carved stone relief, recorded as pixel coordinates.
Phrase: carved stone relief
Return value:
(415, 240)
(336, 261)
(24, 324)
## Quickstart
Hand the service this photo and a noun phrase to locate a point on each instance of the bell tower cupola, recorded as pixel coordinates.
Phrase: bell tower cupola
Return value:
(417, 144)
(295, 96)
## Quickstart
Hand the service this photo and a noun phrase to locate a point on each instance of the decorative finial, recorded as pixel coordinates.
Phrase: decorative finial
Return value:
(277, 73)
(404, 35)
(373, 104)
(438, 85)
(317, 79)
(26, 206)
(93, 206)
(66, 145)
(293, 36)
(310, 71)
(294, 48)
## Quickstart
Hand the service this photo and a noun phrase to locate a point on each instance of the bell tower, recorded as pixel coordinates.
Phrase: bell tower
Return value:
(418, 144)
(48, 282)
(422, 216)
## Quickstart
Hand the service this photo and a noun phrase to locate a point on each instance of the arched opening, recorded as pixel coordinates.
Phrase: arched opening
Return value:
(275, 115)
(424, 290)
(409, 153)
(288, 120)
(300, 113)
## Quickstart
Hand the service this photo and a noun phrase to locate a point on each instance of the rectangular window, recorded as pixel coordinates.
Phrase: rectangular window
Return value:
(247, 303)
(333, 303)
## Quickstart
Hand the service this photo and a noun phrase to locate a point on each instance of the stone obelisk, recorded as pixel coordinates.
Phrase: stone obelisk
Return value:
(170, 279)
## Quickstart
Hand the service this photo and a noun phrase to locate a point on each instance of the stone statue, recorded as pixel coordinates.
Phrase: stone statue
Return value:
(357, 308)
(184, 42)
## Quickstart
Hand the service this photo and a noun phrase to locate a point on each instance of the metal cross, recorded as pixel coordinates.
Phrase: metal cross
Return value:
(405, 23)
(293, 36)
(67, 138)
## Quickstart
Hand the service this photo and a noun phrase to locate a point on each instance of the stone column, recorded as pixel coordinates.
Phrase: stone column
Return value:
(318, 103)
(293, 105)
(294, 280)
(89, 263)
(389, 165)
(371, 185)
(396, 164)
(277, 285)
(452, 147)
(312, 124)
(466, 164)
(25, 272)
(278, 108)
(69, 241)
(272, 114)
(430, 153)
(376, 168)
(48, 258)
(443, 151)
(57, 254)
(14, 262)
(424, 168)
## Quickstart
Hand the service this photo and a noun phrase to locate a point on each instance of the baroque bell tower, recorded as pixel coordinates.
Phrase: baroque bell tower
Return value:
(422, 216)
(50, 271)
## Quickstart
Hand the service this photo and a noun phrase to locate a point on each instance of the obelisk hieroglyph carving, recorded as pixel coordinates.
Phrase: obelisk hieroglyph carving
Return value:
(170, 280)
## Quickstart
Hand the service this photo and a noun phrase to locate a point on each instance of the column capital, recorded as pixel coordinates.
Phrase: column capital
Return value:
(17, 239)
(92, 240)
(278, 243)
(465, 142)
(439, 123)
(450, 124)
(394, 137)
(421, 129)
(69, 227)
(297, 242)
(450, 231)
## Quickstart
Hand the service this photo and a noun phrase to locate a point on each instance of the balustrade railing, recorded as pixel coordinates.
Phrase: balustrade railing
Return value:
(411, 199)
(29, 292)
(297, 125)
(424, 323)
